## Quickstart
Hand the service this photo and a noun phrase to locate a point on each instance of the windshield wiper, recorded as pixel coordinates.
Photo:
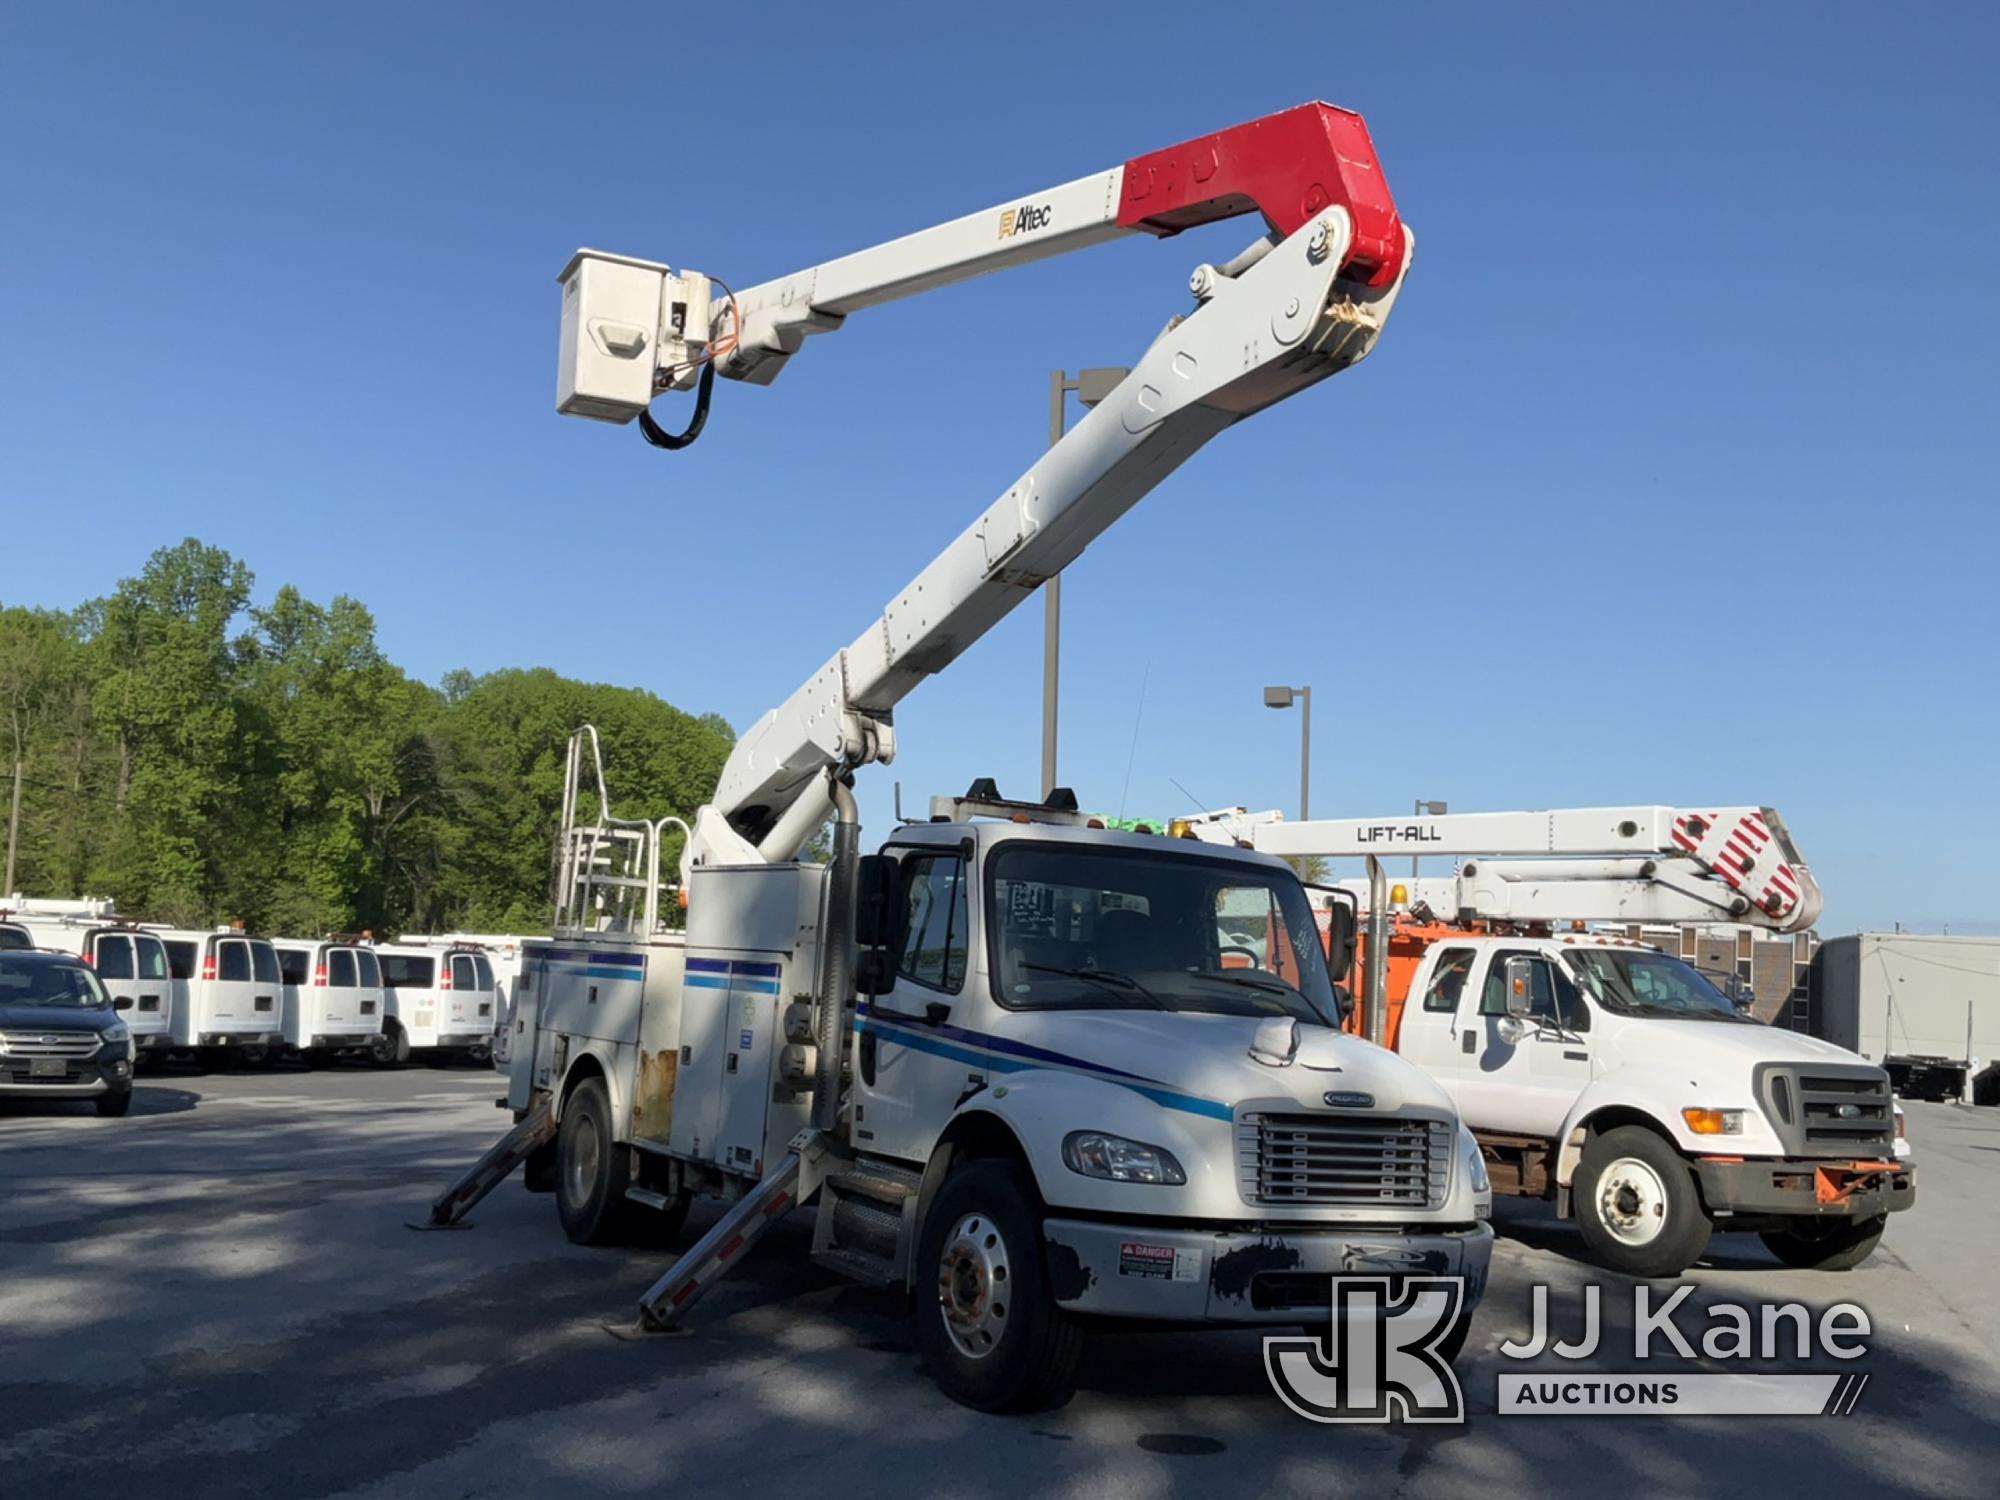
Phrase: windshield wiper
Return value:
(1266, 984)
(1123, 983)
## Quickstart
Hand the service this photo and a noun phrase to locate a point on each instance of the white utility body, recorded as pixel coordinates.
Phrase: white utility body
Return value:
(1599, 1071)
(1007, 1055)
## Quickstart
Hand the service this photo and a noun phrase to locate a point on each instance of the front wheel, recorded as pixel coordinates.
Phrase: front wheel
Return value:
(993, 1335)
(591, 1172)
(1826, 1244)
(1637, 1205)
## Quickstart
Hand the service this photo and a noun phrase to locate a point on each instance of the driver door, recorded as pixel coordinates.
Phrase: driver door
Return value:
(1526, 1087)
(909, 1076)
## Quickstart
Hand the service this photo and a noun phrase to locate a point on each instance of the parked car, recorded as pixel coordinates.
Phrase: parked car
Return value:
(60, 1036)
(130, 960)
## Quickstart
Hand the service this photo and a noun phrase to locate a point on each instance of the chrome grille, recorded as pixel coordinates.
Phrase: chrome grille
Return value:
(19, 1043)
(1372, 1161)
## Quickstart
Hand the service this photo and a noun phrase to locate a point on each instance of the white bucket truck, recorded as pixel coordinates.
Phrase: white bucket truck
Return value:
(1596, 1070)
(1015, 1062)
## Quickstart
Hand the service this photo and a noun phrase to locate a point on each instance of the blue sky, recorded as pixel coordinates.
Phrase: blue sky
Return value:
(1671, 481)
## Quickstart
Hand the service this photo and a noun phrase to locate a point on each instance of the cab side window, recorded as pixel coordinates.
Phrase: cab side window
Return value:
(935, 916)
(295, 965)
(1448, 980)
(1551, 995)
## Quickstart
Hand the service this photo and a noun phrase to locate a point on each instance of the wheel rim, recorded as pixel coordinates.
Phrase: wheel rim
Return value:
(1631, 1201)
(582, 1164)
(974, 1286)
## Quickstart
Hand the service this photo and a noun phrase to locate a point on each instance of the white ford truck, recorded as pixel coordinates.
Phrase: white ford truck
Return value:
(1619, 1081)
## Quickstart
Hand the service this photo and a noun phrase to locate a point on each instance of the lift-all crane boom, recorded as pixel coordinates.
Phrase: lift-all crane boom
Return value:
(1302, 303)
(1584, 864)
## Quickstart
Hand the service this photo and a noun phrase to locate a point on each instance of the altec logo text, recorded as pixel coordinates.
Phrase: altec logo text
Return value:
(1025, 219)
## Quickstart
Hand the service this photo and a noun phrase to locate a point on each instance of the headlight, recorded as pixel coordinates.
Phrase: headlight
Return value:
(117, 1031)
(1475, 1161)
(1714, 1121)
(1092, 1153)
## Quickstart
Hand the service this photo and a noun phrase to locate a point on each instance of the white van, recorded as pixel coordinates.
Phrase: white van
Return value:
(439, 999)
(129, 961)
(505, 952)
(228, 989)
(333, 996)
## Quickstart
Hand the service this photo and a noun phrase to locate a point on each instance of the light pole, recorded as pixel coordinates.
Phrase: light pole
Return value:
(1422, 809)
(1091, 386)
(1282, 697)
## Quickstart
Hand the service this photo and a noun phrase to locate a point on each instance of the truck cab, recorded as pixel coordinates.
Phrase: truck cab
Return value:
(1617, 1080)
(1064, 1074)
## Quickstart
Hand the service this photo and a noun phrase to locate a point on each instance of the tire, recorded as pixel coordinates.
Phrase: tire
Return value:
(114, 1105)
(393, 1050)
(1826, 1244)
(591, 1171)
(1016, 1351)
(1637, 1204)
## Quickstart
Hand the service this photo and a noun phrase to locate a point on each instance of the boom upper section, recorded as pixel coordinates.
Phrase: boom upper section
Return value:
(1304, 301)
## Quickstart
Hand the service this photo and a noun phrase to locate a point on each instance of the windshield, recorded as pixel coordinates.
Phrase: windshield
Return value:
(1637, 982)
(14, 937)
(43, 981)
(1126, 929)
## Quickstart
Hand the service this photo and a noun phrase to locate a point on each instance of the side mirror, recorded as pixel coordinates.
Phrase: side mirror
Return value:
(1518, 975)
(875, 902)
(874, 972)
(1342, 922)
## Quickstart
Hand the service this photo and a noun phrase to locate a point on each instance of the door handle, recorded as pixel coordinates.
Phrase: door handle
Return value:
(1469, 1042)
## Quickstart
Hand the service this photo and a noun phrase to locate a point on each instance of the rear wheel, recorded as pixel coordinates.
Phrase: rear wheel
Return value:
(115, 1104)
(1826, 1244)
(591, 1172)
(392, 1047)
(1637, 1205)
(986, 1322)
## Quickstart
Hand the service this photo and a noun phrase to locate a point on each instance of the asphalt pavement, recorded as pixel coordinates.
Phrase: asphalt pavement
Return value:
(218, 1295)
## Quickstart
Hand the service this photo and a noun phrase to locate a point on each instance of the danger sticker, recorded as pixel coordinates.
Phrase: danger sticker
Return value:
(1155, 1261)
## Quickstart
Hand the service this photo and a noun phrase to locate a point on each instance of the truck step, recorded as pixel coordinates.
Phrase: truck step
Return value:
(872, 1270)
(878, 1180)
(861, 1225)
(648, 1197)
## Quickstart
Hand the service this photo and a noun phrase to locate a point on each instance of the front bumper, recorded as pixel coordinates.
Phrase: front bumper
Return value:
(81, 1079)
(1804, 1188)
(1254, 1275)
